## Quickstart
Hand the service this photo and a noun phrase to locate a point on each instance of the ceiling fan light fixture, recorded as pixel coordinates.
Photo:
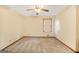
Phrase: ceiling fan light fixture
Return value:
(37, 10)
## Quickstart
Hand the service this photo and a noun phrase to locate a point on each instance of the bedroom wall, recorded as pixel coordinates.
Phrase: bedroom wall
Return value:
(77, 27)
(10, 26)
(33, 26)
(65, 26)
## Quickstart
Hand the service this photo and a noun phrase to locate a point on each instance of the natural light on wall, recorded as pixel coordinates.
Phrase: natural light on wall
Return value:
(57, 26)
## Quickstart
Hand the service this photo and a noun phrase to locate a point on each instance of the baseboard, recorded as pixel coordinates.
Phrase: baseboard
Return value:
(76, 51)
(67, 46)
(39, 36)
(12, 43)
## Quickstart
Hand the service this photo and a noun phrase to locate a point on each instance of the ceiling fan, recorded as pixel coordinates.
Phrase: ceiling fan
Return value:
(38, 9)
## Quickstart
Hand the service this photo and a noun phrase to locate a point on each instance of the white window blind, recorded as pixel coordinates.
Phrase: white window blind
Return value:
(47, 25)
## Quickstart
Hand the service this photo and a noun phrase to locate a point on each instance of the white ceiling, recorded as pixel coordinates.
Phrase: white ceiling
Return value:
(53, 9)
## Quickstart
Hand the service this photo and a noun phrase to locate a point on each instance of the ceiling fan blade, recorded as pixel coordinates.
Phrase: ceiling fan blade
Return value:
(29, 9)
(45, 10)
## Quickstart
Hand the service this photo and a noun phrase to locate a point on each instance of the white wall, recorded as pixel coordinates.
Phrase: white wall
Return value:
(66, 30)
(10, 26)
(33, 26)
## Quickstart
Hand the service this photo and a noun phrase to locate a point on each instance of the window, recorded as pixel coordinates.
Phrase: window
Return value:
(47, 24)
